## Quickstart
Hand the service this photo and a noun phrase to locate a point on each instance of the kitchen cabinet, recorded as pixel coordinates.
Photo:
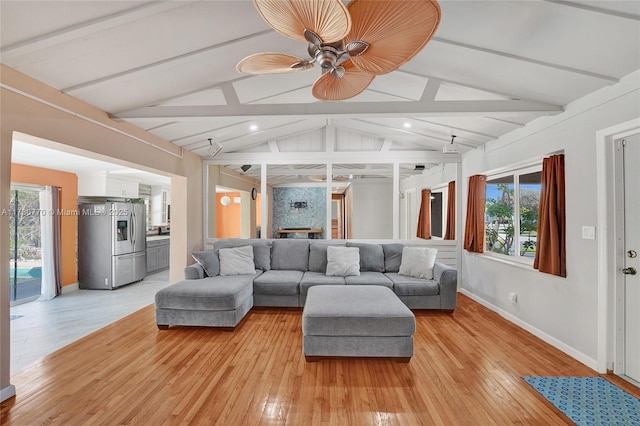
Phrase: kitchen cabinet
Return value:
(157, 253)
(100, 184)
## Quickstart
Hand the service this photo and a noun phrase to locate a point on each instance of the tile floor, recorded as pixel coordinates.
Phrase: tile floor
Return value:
(45, 326)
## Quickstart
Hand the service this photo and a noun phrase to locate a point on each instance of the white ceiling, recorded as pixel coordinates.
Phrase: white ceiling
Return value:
(169, 67)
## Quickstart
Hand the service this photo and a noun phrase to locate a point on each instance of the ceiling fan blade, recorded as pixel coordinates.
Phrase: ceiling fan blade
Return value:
(328, 19)
(396, 31)
(272, 63)
(329, 88)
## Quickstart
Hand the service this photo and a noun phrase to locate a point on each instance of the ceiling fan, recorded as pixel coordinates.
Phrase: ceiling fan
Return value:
(352, 43)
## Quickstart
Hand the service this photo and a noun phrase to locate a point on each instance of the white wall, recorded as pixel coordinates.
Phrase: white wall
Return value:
(561, 310)
(372, 210)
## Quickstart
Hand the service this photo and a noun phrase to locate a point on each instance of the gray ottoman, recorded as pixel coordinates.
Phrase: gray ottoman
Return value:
(356, 321)
(212, 301)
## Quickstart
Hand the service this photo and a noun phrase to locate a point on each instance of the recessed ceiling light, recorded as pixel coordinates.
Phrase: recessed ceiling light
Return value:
(253, 127)
(407, 125)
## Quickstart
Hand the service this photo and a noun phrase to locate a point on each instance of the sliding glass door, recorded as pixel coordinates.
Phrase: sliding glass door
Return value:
(25, 249)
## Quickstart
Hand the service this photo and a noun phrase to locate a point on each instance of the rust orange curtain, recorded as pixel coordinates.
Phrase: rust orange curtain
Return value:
(424, 217)
(474, 225)
(551, 251)
(450, 233)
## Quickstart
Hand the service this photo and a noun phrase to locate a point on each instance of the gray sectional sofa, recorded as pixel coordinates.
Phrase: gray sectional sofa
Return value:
(285, 269)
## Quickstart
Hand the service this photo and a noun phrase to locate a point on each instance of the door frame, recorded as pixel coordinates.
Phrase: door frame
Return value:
(608, 190)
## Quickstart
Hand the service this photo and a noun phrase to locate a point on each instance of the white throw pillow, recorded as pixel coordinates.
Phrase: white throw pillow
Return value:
(343, 261)
(418, 262)
(237, 261)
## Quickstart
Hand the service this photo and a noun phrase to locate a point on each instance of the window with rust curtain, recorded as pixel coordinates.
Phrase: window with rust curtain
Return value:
(474, 225)
(551, 254)
(424, 217)
(450, 233)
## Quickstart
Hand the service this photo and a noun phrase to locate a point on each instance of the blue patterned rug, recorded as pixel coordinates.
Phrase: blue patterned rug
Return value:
(589, 400)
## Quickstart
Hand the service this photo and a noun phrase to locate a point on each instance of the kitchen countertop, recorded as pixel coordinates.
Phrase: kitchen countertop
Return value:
(157, 237)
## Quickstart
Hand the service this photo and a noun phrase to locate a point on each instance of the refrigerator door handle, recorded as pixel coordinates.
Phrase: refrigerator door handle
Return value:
(133, 229)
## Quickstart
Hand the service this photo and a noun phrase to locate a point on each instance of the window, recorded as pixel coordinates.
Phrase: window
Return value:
(511, 213)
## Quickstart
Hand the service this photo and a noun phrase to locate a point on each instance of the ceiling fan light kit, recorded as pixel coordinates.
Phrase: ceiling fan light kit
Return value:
(351, 44)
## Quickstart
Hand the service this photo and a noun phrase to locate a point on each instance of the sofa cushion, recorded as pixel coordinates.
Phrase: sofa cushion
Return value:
(261, 250)
(208, 294)
(278, 282)
(343, 261)
(290, 255)
(369, 278)
(371, 257)
(318, 255)
(392, 257)
(409, 286)
(310, 279)
(236, 261)
(209, 262)
(418, 262)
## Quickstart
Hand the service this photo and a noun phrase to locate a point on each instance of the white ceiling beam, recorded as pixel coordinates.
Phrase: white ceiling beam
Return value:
(338, 172)
(273, 146)
(431, 89)
(344, 109)
(350, 157)
(386, 145)
(163, 62)
(83, 29)
(595, 9)
(229, 93)
(330, 137)
(525, 59)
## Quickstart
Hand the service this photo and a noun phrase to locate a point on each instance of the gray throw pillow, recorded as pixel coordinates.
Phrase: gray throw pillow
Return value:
(343, 261)
(209, 262)
(392, 257)
(371, 257)
(237, 261)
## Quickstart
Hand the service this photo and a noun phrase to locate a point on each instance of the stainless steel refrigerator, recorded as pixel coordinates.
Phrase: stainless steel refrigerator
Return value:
(112, 244)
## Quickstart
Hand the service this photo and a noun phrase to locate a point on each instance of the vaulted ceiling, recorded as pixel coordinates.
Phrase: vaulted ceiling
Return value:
(169, 67)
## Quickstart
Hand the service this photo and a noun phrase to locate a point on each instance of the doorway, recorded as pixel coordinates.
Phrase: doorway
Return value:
(25, 270)
(337, 217)
(628, 249)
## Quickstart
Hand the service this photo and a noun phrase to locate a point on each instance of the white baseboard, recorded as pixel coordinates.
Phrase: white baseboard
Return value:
(8, 392)
(572, 352)
(69, 288)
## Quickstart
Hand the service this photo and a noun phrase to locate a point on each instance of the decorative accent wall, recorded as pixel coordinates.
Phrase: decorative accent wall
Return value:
(314, 215)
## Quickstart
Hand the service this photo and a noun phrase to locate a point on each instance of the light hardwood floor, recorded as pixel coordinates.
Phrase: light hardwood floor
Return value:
(466, 370)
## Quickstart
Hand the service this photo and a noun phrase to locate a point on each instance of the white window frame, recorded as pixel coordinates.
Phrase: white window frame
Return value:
(516, 173)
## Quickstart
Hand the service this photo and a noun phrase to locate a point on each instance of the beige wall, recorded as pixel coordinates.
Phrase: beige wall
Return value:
(33, 108)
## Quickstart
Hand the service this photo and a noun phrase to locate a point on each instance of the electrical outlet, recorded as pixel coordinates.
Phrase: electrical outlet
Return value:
(589, 232)
(513, 297)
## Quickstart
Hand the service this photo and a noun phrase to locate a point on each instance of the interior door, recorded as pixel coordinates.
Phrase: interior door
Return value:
(631, 271)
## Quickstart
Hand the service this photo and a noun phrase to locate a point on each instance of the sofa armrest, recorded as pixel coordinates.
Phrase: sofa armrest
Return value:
(194, 272)
(447, 278)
